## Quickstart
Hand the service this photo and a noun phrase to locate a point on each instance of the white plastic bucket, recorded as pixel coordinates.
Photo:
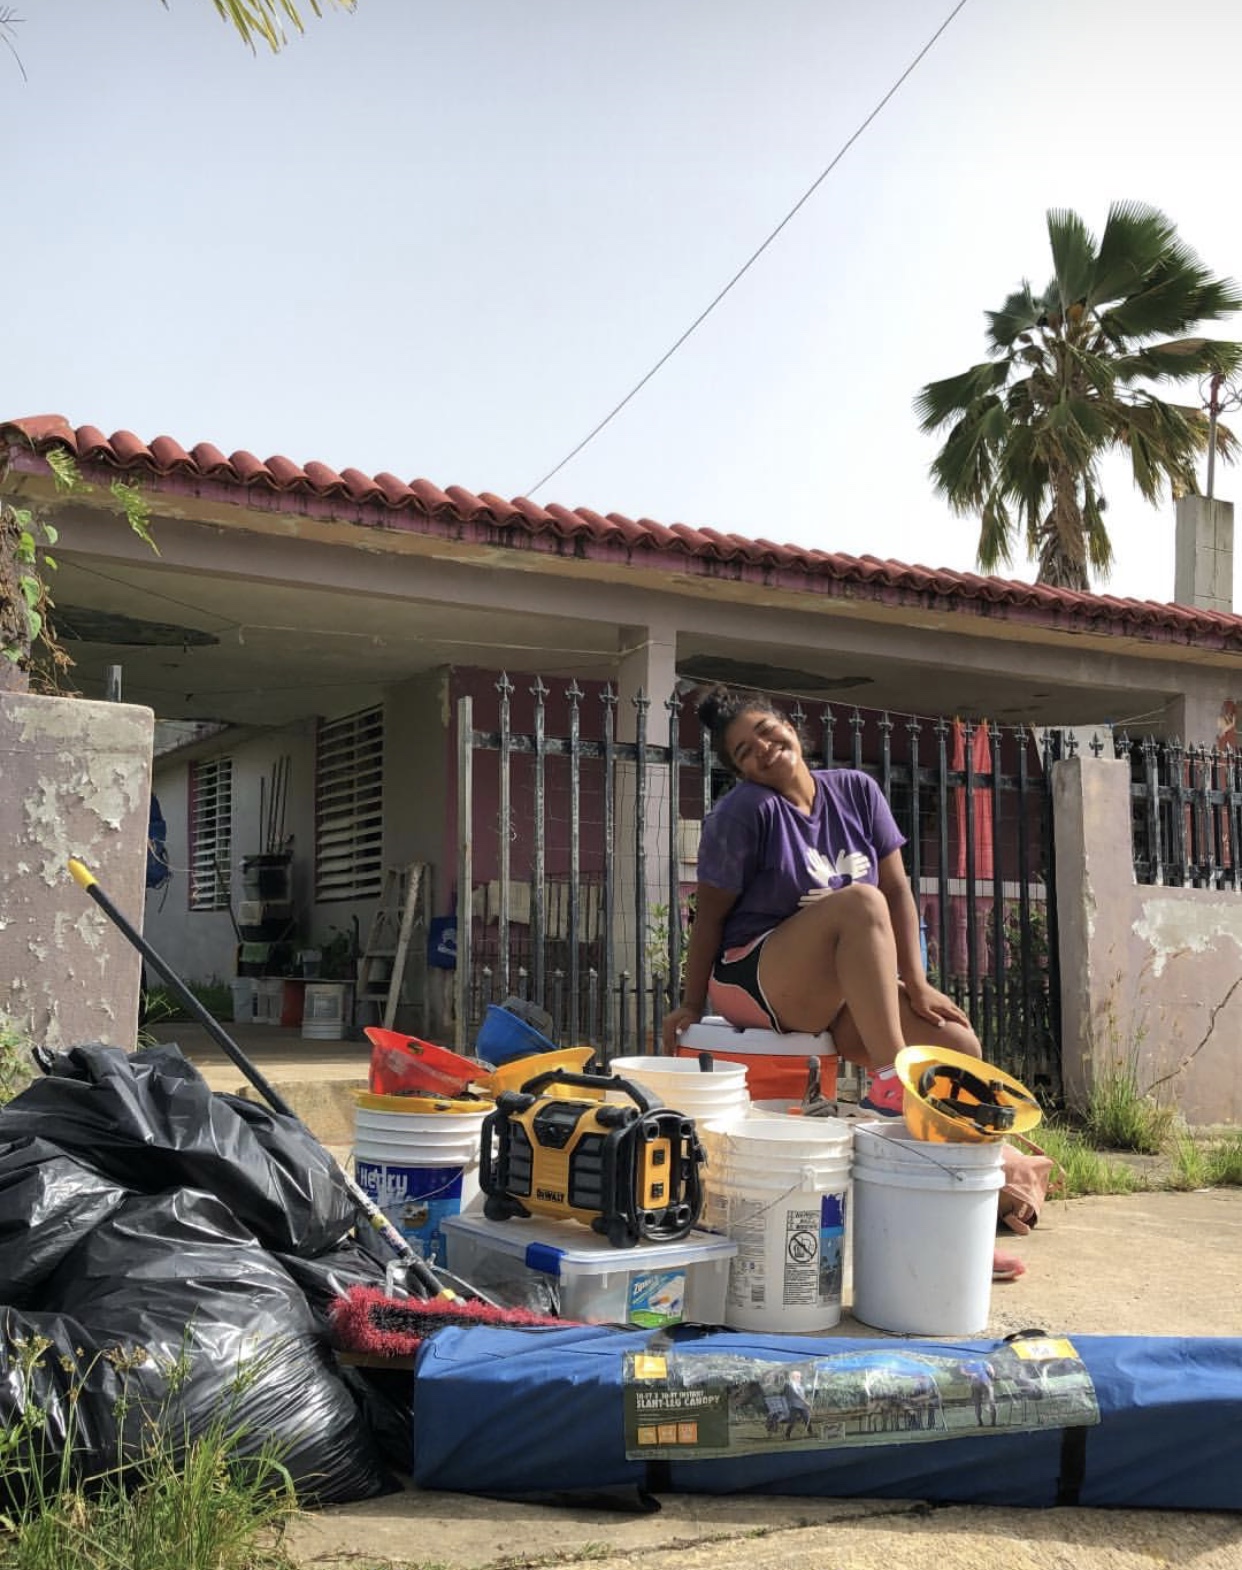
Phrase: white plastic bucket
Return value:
(245, 999)
(924, 1231)
(269, 990)
(324, 1008)
(777, 1187)
(419, 1167)
(712, 1099)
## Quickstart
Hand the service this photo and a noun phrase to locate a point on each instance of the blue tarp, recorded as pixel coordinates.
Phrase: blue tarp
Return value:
(517, 1413)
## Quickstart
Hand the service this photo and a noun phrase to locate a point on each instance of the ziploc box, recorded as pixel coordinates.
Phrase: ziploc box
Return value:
(561, 1267)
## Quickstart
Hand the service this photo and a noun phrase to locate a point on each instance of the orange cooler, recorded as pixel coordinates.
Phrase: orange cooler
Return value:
(776, 1064)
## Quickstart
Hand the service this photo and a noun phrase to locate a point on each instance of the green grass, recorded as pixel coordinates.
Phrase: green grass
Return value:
(1207, 1163)
(16, 1065)
(1120, 1115)
(1086, 1170)
(178, 1504)
(215, 995)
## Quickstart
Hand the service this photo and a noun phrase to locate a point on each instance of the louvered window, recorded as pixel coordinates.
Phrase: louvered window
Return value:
(349, 806)
(211, 833)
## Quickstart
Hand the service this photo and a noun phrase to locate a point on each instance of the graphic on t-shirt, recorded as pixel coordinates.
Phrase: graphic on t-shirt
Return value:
(850, 867)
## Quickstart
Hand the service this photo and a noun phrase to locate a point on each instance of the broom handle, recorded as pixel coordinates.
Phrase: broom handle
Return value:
(418, 1267)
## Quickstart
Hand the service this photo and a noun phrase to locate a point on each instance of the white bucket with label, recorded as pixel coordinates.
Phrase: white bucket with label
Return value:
(267, 995)
(245, 990)
(777, 1187)
(418, 1167)
(713, 1098)
(924, 1231)
(325, 1009)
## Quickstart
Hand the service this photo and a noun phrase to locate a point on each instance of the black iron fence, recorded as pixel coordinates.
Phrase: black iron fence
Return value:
(1185, 813)
(578, 850)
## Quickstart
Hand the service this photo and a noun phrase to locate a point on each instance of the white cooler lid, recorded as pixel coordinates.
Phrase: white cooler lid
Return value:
(714, 1034)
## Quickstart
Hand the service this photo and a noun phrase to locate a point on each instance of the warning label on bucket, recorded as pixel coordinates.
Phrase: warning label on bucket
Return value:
(801, 1286)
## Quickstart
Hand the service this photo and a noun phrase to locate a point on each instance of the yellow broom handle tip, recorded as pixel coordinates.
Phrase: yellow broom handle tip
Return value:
(82, 874)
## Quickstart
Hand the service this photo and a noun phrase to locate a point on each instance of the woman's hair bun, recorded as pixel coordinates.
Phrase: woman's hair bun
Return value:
(710, 705)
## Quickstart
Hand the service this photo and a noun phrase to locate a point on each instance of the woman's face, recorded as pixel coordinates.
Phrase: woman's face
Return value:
(763, 748)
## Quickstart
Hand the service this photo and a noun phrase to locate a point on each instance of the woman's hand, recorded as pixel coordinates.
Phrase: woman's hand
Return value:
(676, 1022)
(933, 1006)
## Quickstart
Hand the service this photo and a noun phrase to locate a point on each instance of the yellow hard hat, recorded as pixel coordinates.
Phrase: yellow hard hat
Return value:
(954, 1099)
(514, 1074)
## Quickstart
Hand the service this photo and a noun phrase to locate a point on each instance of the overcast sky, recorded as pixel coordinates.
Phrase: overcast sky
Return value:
(444, 240)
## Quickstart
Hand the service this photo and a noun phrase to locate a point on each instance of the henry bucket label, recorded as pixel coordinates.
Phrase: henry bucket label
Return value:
(415, 1200)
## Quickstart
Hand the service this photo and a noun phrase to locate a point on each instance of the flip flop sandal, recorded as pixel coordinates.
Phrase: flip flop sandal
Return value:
(1006, 1267)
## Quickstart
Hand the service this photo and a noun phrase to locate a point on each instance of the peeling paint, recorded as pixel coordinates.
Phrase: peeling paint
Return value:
(1172, 926)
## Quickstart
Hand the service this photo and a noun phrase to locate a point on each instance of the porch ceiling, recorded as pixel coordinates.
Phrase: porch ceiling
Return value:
(256, 653)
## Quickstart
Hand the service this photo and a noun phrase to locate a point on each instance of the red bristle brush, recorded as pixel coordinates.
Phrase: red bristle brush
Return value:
(364, 1320)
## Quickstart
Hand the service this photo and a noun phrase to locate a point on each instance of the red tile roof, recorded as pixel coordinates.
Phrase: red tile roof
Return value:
(382, 500)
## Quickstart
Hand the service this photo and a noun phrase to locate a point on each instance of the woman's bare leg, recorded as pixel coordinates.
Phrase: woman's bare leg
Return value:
(837, 951)
(834, 963)
(916, 1032)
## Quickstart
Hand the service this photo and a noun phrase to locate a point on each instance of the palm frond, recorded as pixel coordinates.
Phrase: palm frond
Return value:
(1020, 312)
(964, 468)
(1171, 299)
(1227, 446)
(1134, 239)
(939, 402)
(1099, 546)
(1093, 369)
(1164, 441)
(1073, 256)
(995, 548)
(1179, 359)
(264, 19)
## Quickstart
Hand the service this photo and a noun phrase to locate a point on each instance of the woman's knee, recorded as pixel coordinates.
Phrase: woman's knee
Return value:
(857, 905)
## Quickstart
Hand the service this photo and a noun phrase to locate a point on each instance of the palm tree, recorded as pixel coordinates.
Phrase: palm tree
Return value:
(1068, 380)
(263, 18)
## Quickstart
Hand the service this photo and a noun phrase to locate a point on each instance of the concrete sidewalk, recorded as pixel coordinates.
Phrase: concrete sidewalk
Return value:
(1150, 1264)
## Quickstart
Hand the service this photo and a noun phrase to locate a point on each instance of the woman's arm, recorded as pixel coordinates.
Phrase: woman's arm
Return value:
(904, 915)
(711, 906)
(926, 1002)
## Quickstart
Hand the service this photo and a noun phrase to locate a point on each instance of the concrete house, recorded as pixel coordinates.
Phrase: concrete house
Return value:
(303, 636)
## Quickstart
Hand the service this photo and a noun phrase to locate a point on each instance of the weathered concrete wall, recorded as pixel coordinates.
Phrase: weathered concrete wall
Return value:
(76, 780)
(1150, 975)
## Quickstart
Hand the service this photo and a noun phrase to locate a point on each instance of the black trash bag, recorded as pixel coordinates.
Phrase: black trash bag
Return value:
(180, 1277)
(149, 1120)
(59, 1396)
(385, 1396)
(48, 1202)
(331, 1275)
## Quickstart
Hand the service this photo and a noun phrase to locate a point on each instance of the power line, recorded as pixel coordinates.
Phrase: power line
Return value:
(754, 257)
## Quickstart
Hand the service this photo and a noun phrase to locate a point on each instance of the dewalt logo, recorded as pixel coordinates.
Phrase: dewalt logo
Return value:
(552, 1196)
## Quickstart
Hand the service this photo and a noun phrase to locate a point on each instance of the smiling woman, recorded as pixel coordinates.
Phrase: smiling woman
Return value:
(804, 917)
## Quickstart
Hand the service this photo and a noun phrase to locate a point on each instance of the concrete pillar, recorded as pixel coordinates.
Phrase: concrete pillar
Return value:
(77, 782)
(1203, 560)
(648, 662)
(1197, 719)
(1095, 874)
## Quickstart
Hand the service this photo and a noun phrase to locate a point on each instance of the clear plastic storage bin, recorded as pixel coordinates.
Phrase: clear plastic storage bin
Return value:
(561, 1267)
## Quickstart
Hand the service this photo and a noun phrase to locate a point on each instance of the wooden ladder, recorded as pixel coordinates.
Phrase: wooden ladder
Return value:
(401, 909)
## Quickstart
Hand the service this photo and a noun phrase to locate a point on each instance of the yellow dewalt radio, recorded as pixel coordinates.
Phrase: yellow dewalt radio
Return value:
(632, 1173)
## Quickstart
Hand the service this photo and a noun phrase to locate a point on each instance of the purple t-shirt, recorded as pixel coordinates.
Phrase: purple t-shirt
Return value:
(758, 844)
